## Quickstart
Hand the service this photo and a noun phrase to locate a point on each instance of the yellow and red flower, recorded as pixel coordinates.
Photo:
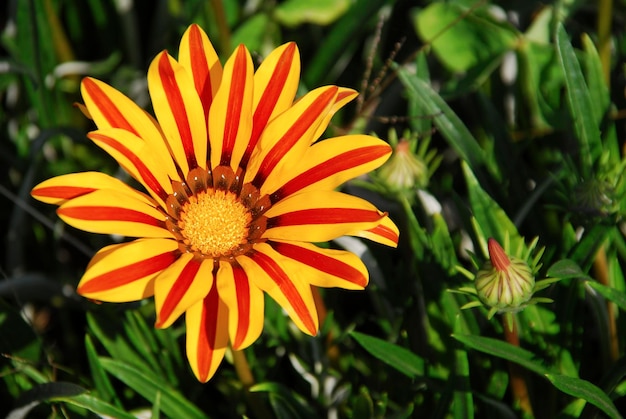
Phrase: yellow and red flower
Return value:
(237, 192)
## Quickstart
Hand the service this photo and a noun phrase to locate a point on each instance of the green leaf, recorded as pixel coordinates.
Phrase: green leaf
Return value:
(143, 340)
(585, 249)
(393, 355)
(503, 350)
(336, 43)
(114, 343)
(363, 405)
(611, 294)
(580, 105)
(491, 218)
(293, 13)
(441, 243)
(585, 390)
(463, 404)
(100, 379)
(253, 32)
(447, 122)
(565, 269)
(598, 90)
(285, 402)
(462, 39)
(47, 391)
(97, 406)
(173, 404)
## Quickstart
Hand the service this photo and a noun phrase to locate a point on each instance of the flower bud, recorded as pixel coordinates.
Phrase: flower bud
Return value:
(404, 170)
(504, 282)
(594, 198)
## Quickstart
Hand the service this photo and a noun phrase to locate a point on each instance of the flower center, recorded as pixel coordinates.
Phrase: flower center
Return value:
(214, 216)
(215, 222)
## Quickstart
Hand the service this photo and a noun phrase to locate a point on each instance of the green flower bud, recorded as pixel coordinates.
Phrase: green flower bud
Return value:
(504, 283)
(404, 170)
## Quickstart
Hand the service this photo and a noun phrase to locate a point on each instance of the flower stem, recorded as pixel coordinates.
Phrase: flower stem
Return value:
(516, 373)
(601, 272)
(605, 16)
(243, 369)
(222, 25)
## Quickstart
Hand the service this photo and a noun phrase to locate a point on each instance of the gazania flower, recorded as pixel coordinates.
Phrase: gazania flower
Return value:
(236, 192)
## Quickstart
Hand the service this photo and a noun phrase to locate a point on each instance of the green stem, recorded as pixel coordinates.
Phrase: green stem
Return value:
(605, 15)
(417, 236)
(243, 369)
(222, 25)
(516, 373)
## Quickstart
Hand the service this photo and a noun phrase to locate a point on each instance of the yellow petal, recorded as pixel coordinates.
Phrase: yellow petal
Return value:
(125, 272)
(185, 283)
(386, 232)
(111, 109)
(325, 267)
(286, 138)
(179, 111)
(344, 95)
(230, 116)
(197, 56)
(113, 212)
(207, 335)
(330, 163)
(134, 155)
(319, 216)
(61, 189)
(275, 85)
(278, 276)
(245, 304)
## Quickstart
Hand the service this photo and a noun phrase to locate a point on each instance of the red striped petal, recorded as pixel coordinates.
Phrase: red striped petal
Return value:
(129, 273)
(321, 262)
(208, 334)
(305, 121)
(177, 106)
(242, 290)
(146, 176)
(235, 105)
(330, 167)
(324, 216)
(200, 68)
(99, 213)
(109, 110)
(61, 192)
(178, 290)
(385, 232)
(270, 97)
(287, 288)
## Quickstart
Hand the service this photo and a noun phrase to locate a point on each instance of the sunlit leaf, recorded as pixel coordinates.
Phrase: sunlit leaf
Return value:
(172, 403)
(99, 376)
(97, 406)
(580, 105)
(321, 12)
(461, 38)
(492, 219)
(447, 122)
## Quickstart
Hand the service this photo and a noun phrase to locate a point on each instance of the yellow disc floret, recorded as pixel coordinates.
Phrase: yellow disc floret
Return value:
(214, 223)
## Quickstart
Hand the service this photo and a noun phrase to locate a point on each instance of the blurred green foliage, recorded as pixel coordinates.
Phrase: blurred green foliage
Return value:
(521, 105)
